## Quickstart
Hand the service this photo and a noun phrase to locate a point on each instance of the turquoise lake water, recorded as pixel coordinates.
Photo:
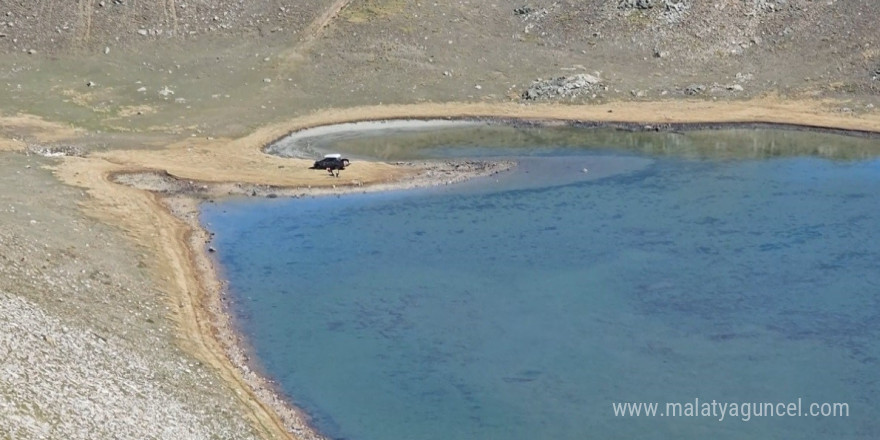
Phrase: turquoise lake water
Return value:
(524, 306)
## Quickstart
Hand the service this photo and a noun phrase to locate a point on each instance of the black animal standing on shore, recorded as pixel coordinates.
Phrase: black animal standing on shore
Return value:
(330, 164)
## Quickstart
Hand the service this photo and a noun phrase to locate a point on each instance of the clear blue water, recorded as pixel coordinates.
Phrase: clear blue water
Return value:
(523, 307)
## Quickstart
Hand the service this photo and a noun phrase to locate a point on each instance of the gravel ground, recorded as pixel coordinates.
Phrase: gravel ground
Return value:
(64, 380)
(87, 346)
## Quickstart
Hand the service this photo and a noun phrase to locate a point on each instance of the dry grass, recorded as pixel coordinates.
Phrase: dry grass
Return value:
(362, 11)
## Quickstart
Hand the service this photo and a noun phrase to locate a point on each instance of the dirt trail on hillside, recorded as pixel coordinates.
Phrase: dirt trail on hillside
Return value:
(314, 30)
(319, 24)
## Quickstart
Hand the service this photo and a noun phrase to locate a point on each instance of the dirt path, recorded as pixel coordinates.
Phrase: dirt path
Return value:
(314, 30)
(770, 109)
(319, 24)
(171, 14)
(84, 21)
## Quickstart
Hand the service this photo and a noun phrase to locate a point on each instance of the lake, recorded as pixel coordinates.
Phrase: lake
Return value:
(735, 265)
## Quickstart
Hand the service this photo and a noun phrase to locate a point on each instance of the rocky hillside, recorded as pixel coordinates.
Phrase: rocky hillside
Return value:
(63, 25)
(696, 31)
(106, 60)
(640, 48)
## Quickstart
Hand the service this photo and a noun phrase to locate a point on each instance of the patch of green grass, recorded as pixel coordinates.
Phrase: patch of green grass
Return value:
(639, 18)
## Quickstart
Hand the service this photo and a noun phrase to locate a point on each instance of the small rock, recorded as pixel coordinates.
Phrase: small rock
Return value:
(142, 32)
(106, 50)
(90, 84)
(267, 80)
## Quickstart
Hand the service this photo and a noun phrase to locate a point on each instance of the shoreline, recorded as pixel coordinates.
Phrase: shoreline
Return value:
(188, 271)
(289, 145)
(770, 112)
(292, 419)
(179, 200)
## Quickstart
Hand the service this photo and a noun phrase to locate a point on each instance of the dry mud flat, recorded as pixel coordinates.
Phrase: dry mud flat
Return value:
(419, 174)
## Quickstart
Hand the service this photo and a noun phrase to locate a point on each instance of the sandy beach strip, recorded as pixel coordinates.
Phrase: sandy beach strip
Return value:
(168, 226)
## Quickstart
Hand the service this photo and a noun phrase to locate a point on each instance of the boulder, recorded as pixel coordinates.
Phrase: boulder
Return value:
(561, 87)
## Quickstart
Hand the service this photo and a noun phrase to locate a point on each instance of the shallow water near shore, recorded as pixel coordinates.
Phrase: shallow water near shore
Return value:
(525, 306)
